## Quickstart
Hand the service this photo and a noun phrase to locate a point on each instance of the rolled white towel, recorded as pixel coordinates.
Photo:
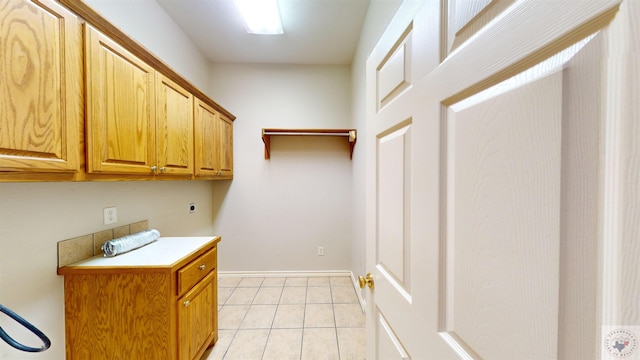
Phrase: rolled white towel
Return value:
(129, 242)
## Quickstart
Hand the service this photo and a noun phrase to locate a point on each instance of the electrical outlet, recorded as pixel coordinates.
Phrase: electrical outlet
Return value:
(110, 215)
(192, 208)
(320, 251)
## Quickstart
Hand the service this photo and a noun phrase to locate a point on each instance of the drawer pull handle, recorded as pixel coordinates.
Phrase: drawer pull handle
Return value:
(203, 266)
(186, 303)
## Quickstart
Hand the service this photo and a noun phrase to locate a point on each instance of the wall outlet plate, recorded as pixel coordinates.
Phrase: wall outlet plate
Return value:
(110, 215)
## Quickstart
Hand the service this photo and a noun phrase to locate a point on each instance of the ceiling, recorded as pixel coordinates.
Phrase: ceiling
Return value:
(315, 31)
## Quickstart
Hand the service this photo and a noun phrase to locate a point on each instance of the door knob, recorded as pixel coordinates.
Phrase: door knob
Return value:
(368, 281)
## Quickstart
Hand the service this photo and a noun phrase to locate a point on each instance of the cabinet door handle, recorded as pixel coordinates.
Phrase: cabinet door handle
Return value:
(154, 168)
(186, 303)
(163, 169)
(203, 266)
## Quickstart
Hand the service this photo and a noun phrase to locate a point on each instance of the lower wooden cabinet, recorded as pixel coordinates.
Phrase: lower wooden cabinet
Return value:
(197, 318)
(127, 307)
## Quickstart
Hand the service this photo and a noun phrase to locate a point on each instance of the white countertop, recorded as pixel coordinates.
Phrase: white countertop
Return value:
(164, 252)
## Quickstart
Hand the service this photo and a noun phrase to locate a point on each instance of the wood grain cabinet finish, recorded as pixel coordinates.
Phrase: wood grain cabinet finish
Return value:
(224, 141)
(197, 320)
(142, 313)
(138, 120)
(124, 115)
(213, 143)
(120, 109)
(174, 128)
(40, 87)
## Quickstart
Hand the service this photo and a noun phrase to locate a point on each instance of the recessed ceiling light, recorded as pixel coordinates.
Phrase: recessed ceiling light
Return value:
(260, 16)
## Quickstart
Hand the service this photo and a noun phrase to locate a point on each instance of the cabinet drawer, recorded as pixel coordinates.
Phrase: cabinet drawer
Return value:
(193, 272)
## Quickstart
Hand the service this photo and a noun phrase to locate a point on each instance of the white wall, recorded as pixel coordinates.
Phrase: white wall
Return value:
(275, 213)
(35, 216)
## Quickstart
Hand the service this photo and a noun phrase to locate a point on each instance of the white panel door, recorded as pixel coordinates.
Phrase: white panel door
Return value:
(402, 56)
(494, 181)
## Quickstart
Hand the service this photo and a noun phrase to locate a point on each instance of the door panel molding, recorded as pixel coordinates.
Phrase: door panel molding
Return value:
(389, 345)
(580, 69)
(503, 230)
(394, 234)
(491, 50)
(394, 72)
(468, 17)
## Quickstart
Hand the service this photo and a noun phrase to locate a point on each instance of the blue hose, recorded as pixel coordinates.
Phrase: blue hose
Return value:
(9, 340)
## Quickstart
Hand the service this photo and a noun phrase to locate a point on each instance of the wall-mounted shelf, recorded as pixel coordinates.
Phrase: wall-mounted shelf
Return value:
(350, 134)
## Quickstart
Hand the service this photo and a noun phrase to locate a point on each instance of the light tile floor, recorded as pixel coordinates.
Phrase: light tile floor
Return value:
(302, 318)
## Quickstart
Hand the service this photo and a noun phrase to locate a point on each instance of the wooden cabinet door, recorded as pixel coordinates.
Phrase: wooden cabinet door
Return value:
(213, 142)
(174, 128)
(120, 108)
(196, 318)
(40, 87)
(206, 119)
(224, 148)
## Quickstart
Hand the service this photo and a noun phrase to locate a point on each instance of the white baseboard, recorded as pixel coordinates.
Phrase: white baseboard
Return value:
(285, 273)
(361, 300)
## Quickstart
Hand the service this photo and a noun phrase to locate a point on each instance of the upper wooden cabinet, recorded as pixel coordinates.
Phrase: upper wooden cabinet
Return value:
(40, 87)
(213, 143)
(120, 110)
(174, 128)
(138, 120)
(124, 115)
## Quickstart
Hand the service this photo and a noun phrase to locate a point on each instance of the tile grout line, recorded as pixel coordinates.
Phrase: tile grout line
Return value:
(243, 318)
(251, 306)
(335, 322)
(304, 318)
(264, 350)
(235, 332)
